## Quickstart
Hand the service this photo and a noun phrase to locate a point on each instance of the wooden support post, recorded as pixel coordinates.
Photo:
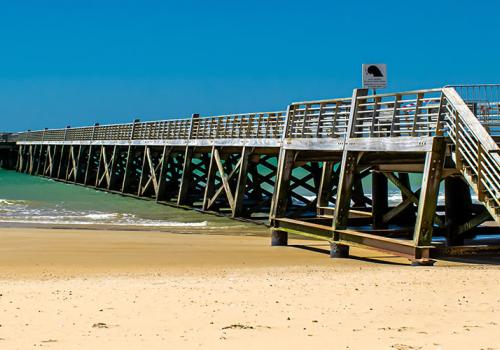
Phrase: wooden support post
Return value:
(78, 164)
(19, 164)
(241, 184)
(187, 172)
(141, 179)
(112, 168)
(102, 159)
(458, 207)
(126, 171)
(61, 162)
(433, 168)
(380, 203)
(346, 180)
(31, 159)
(256, 184)
(39, 163)
(71, 162)
(210, 186)
(408, 214)
(280, 196)
(165, 156)
(326, 185)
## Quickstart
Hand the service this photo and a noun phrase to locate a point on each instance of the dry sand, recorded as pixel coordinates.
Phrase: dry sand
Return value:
(76, 289)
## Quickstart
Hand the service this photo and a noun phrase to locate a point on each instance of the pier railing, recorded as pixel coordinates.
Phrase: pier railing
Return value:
(319, 119)
(250, 125)
(484, 101)
(415, 113)
(476, 153)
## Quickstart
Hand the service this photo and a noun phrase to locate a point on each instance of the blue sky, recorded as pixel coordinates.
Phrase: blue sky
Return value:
(80, 62)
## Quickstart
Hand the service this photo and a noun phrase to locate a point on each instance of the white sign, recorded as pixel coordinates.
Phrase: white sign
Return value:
(374, 76)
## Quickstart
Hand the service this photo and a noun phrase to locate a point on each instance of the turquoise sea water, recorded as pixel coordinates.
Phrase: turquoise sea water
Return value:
(26, 199)
(37, 200)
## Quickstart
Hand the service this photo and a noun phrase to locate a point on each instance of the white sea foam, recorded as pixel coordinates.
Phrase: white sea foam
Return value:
(142, 223)
(19, 211)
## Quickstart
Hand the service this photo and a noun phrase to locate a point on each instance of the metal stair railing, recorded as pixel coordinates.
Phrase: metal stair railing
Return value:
(476, 153)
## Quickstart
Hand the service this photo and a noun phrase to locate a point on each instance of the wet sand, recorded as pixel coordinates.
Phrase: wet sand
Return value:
(81, 289)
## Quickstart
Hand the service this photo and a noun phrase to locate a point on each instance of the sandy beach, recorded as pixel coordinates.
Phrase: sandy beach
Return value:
(81, 289)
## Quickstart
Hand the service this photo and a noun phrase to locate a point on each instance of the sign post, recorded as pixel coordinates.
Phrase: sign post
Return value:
(374, 76)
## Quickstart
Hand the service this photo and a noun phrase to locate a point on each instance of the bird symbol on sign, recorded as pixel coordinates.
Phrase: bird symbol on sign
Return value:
(375, 71)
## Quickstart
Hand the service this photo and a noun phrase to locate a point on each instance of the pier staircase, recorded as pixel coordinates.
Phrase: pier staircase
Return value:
(473, 125)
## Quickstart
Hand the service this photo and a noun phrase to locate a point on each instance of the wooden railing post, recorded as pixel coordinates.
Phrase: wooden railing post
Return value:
(132, 132)
(288, 122)
(353, 113)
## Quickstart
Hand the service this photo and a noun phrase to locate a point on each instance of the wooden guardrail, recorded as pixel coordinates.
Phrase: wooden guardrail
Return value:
(476, 153)
(414, 114)
(250, 125)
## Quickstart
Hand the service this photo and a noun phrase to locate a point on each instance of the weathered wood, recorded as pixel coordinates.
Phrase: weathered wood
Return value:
(88, 168)
(126, 171)
(210, 185)
(327, 182)
(60, 161)
(381, 133)
(280, 197)
(187, 171)
(241, 185)
(224, 179)
(458, 206)
(428, 196)
(380, 202)
(163, 167)
(113, 167)
(141, 178)
(347, 174)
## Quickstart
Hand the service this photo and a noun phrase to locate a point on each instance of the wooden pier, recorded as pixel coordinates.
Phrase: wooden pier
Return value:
(306, 170)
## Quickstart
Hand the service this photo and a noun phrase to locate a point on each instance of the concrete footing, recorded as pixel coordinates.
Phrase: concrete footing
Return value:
(339, 250)
(279, 238)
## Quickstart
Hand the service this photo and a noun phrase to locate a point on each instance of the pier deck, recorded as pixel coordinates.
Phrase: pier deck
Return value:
(305, 170)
